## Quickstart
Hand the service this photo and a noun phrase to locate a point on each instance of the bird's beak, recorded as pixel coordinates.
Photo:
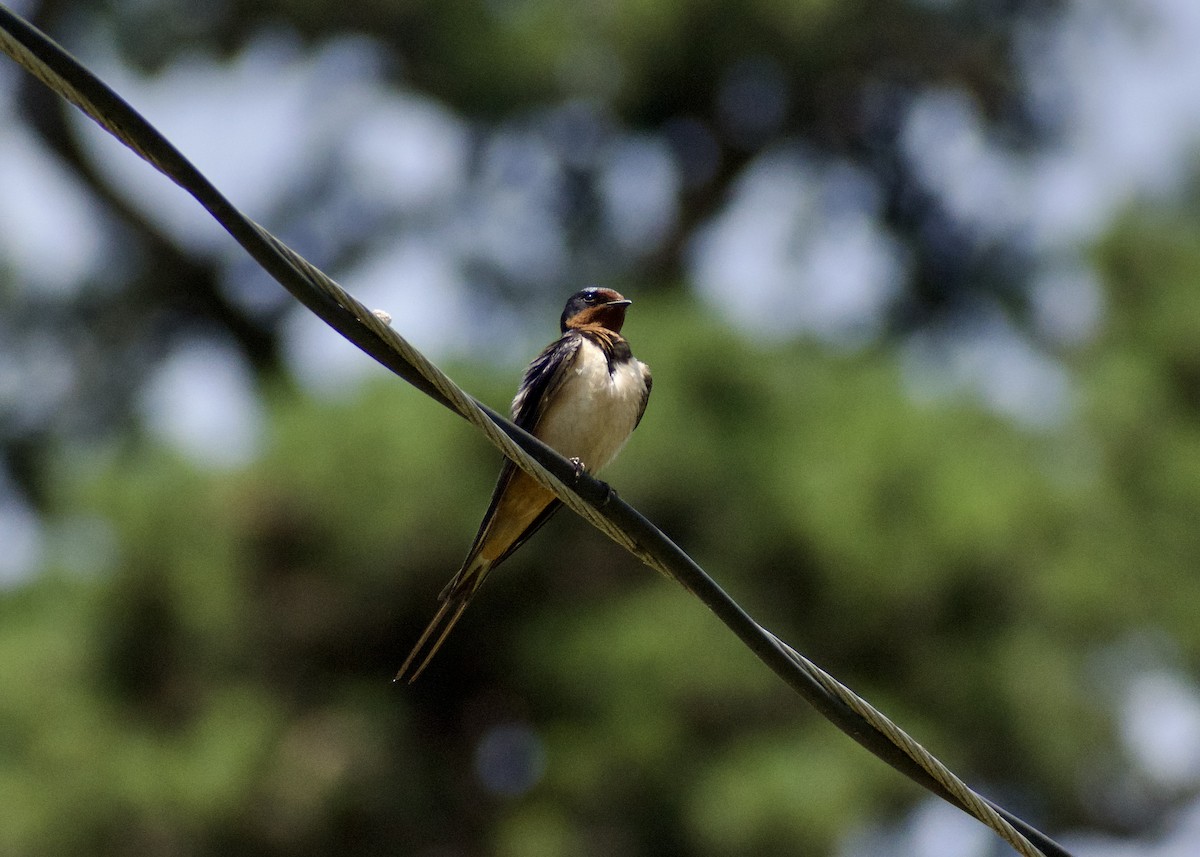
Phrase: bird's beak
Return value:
(622, 302)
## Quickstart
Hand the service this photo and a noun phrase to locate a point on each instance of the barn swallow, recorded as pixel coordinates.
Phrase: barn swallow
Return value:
(582, 396)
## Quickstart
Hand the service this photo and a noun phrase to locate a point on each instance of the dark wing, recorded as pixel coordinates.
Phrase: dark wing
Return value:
(541, 380)
(646, 395)
(543, 377)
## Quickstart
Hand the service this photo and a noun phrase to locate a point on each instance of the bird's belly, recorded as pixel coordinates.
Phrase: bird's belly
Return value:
(594, 411)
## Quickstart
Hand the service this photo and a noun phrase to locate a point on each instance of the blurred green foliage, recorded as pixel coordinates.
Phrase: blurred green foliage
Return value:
(215, 678)
(204, 666)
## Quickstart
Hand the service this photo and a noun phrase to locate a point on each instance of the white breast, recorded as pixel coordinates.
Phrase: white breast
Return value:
(594, 412)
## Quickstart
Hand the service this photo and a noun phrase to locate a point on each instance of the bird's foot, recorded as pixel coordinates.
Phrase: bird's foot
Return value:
(604, 494)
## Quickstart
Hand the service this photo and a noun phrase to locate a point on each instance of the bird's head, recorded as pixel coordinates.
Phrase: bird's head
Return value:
(604, 307)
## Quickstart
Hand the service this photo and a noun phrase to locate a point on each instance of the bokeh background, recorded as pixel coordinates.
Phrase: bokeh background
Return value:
(920, 284)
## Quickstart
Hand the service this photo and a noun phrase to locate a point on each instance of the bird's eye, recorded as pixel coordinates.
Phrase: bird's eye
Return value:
(589, 298)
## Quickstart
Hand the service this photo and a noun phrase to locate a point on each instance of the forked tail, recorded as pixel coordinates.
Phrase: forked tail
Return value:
(455, 598)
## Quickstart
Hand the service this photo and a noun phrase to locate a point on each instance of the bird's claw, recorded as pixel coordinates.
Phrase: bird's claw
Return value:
(578, 465)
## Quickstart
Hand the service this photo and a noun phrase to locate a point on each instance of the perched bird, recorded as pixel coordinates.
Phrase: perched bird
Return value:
(582, 396)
